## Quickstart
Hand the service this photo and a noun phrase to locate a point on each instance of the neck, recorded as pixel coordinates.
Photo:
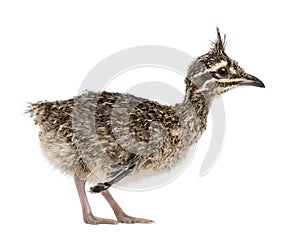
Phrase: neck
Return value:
(199, 98)
(194, 109)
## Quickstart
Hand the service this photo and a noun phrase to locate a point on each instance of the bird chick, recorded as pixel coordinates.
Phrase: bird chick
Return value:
(103, 138)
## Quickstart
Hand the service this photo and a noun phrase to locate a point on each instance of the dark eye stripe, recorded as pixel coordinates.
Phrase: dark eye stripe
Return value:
(227, 84)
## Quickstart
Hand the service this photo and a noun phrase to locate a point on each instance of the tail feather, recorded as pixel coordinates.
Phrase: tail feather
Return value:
(38, 111)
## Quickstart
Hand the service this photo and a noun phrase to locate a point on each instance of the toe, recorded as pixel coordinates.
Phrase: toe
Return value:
(131, 220)
(95, 220)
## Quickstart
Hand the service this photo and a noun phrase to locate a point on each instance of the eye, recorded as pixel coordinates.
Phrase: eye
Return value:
(223, 71)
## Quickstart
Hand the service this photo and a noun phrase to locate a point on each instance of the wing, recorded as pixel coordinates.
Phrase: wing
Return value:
(117, 175)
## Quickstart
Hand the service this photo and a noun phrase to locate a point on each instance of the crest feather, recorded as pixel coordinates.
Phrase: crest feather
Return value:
(218, 46)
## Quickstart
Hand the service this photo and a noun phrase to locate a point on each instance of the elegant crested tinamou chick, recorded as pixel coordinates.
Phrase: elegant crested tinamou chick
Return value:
(103, 137)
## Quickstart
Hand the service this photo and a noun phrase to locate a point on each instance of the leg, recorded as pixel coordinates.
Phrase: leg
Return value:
(88, 217)
(120, 214)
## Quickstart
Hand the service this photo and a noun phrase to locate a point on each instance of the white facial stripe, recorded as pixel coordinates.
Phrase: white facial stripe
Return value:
(227, 80)
(198, 74)
(232, 70)
(218, 65)
(213, 68)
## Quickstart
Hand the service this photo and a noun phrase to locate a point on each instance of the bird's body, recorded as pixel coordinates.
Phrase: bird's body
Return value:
(104, 137)
(157, 136)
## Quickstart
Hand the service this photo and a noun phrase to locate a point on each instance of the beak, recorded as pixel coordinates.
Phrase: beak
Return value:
(250, 80)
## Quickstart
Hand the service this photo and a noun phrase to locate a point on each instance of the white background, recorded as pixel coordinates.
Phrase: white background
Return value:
(46, 50)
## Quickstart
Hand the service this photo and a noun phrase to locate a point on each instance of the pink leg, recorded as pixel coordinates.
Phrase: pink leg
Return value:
(88, 217)
(120, 214)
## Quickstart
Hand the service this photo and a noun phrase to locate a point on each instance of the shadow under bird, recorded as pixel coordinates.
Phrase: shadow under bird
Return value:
(103, 138)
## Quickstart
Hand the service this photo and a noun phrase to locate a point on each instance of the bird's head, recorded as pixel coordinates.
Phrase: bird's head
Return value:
(218, 73)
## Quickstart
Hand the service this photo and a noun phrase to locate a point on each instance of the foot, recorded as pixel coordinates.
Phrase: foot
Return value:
(124, 218)
(91, 219)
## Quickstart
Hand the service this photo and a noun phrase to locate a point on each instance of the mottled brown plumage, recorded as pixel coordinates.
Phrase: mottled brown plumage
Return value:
(111, 127)
(108, 137)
